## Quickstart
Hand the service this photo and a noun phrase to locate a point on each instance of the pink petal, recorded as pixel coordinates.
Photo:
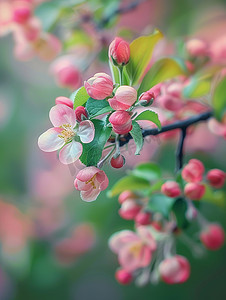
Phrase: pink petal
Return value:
(70, 153)
(145, 234)
(87, 173)
(90, 195)
(50, 141)
(119, 239)
(86, 131)
(61, 114)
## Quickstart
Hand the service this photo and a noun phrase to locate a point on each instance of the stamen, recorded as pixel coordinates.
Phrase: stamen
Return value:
(67, 134)
(92, 182)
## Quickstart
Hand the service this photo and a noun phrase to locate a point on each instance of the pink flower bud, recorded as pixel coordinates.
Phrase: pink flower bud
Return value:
(143, 218)
(118, 162)
(91, 181)
(175, 269)
(119, 51)
(194, 190)
(170, 102)
(22, 12)
(100, 86)
(216, 178)
(123, 276)
(171, 189)
(121, 122)
(129, 209)
(65, 101)
(196, 47)
(124, 98)
(126, 195)
(148, 97)
(193, 171)
(81, 114)
(212, 237)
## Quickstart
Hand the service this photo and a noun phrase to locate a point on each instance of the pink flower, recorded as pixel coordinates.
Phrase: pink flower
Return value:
(100, 86)
(118, 162)
(143, 218)
(218, 50)
(129, 209)
(217, 127)
(124, 98)
(22, 12)
(134, 249)
(123, 276)
(216, 178)
(121, 122)
(175, 269)
(66, 133)
(81, 113)
(194, 190)
(212, 237)
(193, 171)
(119, 51)
(65, 101)
(150, 95)
(91, 181)
(171, 189)
(196, 47)
(125, 196)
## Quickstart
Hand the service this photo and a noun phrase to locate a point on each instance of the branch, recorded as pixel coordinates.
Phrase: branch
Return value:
(179, 152)
(184, 124)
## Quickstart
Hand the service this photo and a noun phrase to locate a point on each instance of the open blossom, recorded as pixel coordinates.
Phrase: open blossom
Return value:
(193, 171)
(100, 86)
(121, 122)
(91, 181)
(216, 178)
(174, 269)
(212, 237)
(119, 51)
(134, 249)
(66, 133)
(124, 98)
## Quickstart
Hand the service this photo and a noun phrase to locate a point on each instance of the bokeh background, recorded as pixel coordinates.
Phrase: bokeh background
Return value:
(52, 244)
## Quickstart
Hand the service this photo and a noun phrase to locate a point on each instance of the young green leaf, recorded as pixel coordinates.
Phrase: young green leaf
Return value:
(149, 171)
(97, 107)
(163, 69)
(198, 87)
(92, 152)
(140, 55)
(79, 97)
(132, 183)
(219, 100)
(149, 115)
(180, 208)
(136, 133)
(161, 203)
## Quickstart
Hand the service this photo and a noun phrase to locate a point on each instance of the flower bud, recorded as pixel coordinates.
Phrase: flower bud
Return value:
(212, 237)
(124, 98)
(196, 47)
(194, 190)
(216, 178)
(118, 162)
(22, 12)
(121, 122)
(175, 269)
(126, 195)
(146, 98)
(171, 189)
(119, 51)
(65, 101)
(81, 114)
(123, 276)
(193, 171)
(100, 86)
(69, 77)
(129, 209)
(143, 218)
(170, 102)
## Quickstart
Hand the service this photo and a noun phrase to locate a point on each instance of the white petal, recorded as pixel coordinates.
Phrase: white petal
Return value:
(70, 153)
(61, 114)
(50, 141)
(86, 131)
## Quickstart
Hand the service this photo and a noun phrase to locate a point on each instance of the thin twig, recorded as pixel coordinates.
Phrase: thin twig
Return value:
(180, 147)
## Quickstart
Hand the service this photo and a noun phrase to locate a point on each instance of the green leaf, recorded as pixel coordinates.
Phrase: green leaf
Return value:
(79, 97)
(180, 208)
(140, 55)
(129, 183)
(219, 100)
(163, 69)
(148, 171)
(160, 203)
(78, 37)
(198, 87)
(136, 133)
(97, 107)
(92, 152)
(114, 73)
(48, 13)
(215, 197)
(149, 115)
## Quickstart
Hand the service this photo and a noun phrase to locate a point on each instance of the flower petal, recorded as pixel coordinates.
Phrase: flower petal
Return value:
(70, 153)
(90, 195)
(50, 141)
(61, 114)
(86, 131)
